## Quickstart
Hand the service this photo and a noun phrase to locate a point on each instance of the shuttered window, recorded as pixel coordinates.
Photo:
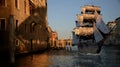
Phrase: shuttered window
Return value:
(2, 24)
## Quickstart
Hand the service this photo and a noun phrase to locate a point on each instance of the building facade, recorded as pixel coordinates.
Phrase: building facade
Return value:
(84, 30)
(54, 39)
(90, 29)
(34, 30)
(65, 43)
(24, 25)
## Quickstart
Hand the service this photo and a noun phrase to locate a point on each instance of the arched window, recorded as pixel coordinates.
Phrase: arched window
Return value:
(32, 26)
(16, 42)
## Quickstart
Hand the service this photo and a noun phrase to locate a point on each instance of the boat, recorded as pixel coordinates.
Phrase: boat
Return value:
(90, 30)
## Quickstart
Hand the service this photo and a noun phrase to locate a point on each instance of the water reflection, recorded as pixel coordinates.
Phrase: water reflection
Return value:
(36, 60)
(62, 58)
(48, 59)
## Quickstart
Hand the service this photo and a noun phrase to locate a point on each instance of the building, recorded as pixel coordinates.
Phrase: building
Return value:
(114, 35)
(54, 39)
(63, 43)
(23, 25)
(67, 43)
(84, 30)
(111, 24)
(34, 30)
(56, 43)
(90, 29)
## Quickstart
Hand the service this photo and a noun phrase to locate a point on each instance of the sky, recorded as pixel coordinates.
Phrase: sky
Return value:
(62, 13)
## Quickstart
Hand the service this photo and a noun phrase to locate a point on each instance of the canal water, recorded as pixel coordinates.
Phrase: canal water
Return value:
(109, 57)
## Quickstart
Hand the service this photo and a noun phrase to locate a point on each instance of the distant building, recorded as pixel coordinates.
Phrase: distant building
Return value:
(24, 24)
(54, 39)
(114, 36)
(111, 24)
(62, 43)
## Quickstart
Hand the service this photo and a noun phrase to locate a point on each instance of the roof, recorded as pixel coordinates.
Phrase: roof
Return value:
(91, 7)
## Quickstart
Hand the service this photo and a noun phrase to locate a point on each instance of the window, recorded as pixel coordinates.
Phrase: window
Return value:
(32, 26)
(2, 24)
(25, 28)
(2, 2)
(16, 42)
(32, 8)
(46, 4)
(89, 11)
(17, 3)
(98, 12)
(31, 40)
(25, 6)
(81, 12)
(16, 25)
(88, 22)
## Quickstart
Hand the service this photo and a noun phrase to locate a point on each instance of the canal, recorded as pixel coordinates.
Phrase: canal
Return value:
(109, 57)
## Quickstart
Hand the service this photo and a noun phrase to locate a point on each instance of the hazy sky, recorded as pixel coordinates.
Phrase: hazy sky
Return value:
(62, 13)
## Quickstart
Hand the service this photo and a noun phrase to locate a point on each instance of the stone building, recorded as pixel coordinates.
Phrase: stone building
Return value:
(24, 25)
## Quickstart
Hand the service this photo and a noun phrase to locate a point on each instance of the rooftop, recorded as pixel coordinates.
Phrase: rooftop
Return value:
(91, 7)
